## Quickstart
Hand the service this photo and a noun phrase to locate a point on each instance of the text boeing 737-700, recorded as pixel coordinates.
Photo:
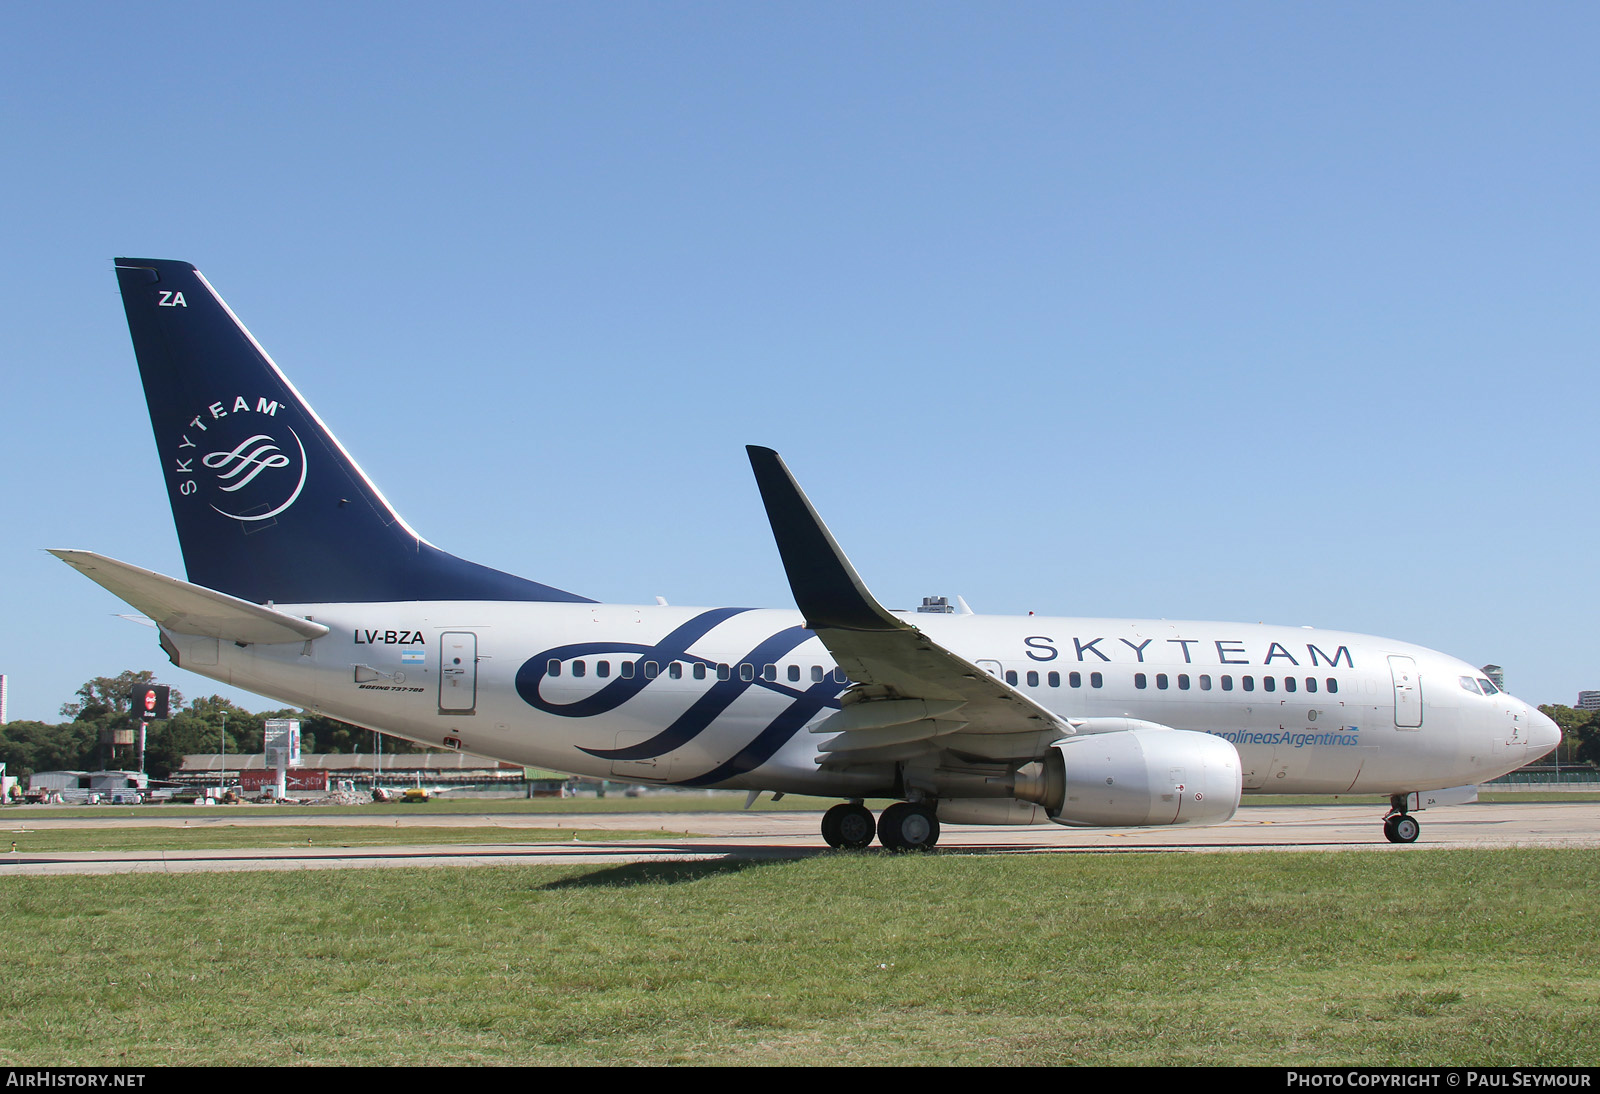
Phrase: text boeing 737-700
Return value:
(306, 586)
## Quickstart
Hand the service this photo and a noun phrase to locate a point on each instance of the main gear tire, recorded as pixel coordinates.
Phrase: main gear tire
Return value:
(849, 826)
(908, 826)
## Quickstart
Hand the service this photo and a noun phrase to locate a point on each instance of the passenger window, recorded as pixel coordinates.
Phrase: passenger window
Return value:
(1011, 677)
(1333, 685)
(794, 674)
(1053, 679)
(1248, 683)
(553, 668)
(699, 670)
(816, 674)
(747, 671)
(1183, 681)
(675, 670)
(1033, 679)
(839, 677)
(625, 670)
(1096, 680)
(1205, 682)
(602, 669)
(1311, 683)
(651, 670)
(769, 672)
(1161, 681)
(579, 668)
(1139, 680)
(1288, 683)
(1269, 683)
(1227, 683)
(724, 672)
(1075, 679)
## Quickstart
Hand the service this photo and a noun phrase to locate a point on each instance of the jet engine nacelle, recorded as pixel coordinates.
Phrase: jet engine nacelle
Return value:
(1135, 777)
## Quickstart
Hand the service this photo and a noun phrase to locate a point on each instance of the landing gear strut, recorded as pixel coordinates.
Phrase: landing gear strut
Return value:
(1400, 826)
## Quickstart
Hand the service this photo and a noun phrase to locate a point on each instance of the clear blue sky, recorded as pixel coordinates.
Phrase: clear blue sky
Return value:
(1281, 312)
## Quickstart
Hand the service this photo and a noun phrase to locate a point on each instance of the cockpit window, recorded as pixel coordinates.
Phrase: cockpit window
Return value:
(1488, 686)
(1469, 684)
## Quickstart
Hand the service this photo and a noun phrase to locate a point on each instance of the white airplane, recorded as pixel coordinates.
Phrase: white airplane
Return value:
(305, 586)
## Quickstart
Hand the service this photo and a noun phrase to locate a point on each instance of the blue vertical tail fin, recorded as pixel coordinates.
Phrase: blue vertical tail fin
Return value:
(268, 504)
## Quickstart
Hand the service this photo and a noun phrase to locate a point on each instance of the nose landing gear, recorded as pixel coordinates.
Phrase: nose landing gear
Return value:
(1400, 826)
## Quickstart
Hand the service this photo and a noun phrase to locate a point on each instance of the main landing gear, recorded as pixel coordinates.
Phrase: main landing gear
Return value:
(1400, 826)
(849, 826)
(904, 826)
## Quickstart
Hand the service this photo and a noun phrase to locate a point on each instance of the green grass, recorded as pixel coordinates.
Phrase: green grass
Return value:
(228, 837)
(1392, 958)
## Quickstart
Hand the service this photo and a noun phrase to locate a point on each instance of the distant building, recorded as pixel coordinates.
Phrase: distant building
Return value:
(462, 768)
(3, 718)
(1497, 674)
(1589, 700)
(56, 780)
(323, 771)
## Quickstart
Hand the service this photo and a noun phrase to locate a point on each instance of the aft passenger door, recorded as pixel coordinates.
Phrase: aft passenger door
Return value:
(458, 672)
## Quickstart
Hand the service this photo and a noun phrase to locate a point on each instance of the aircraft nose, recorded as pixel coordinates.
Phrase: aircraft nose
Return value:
(1543, 734)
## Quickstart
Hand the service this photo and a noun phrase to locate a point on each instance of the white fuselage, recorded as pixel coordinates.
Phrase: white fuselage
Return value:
(723, 697)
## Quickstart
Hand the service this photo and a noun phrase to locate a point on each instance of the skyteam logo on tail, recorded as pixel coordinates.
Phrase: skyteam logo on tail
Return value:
(238, 458)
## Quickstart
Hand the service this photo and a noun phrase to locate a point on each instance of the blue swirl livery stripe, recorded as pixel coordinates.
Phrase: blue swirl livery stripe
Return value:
(698, 718)
(674, 647)
(704, 711)
(775, 736)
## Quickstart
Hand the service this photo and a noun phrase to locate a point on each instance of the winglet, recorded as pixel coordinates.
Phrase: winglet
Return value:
(827, 589)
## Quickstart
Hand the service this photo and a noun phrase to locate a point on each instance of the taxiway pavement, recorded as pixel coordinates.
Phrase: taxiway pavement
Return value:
(785, 835)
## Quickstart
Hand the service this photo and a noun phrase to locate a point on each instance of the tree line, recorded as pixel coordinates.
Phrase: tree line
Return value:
(105, 704)
(1580, 734)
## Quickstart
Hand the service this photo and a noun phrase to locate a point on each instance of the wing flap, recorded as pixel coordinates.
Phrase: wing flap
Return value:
(862, 739)
(190, 609)
(885, 713)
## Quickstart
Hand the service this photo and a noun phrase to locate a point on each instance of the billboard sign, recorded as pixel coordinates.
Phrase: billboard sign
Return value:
(282, 738)
(253, 781)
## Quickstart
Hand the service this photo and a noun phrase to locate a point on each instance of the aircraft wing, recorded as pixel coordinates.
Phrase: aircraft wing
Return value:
(191, 609)
(909, 690)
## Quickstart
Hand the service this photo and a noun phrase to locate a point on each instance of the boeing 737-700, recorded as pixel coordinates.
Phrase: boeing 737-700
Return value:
(304, 585)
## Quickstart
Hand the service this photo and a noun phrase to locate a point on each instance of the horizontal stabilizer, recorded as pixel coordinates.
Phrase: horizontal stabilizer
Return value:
(191, 609)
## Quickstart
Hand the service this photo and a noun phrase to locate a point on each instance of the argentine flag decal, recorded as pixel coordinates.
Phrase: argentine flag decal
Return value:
(412, 657)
